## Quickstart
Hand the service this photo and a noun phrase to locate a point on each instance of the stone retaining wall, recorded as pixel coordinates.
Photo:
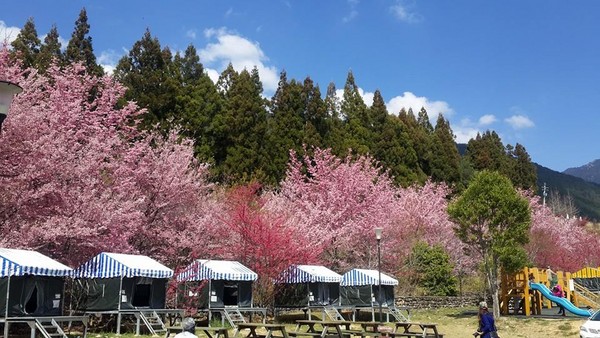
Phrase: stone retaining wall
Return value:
(433, 302)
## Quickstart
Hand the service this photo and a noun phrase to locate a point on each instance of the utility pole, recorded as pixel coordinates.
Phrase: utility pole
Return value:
(544, 194)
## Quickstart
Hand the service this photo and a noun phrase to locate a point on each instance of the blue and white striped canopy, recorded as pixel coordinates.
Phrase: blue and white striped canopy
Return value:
(202, 269)
(111, 265)
(308, 274)
(15, 262)
(358, 277)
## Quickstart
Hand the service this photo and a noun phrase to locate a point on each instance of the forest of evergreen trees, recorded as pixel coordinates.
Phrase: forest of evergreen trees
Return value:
(245, 136)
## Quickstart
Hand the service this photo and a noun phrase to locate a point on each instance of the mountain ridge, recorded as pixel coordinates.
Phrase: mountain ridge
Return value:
(589, 172)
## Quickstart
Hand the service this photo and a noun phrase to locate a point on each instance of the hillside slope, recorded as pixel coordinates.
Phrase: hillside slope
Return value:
(589, 172)
(586, 195)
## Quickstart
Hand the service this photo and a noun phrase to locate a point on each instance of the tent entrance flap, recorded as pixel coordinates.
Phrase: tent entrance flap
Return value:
(230, 294)
(31, 300)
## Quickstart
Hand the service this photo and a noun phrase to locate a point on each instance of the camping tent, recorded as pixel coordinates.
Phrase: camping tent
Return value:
(227, 283)
(307, 285)
(31, 284)
(360, 287)
(112, 281)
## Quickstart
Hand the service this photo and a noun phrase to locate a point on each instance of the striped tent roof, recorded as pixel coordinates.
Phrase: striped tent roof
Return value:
(308, 274)
(357, 277)
(110, 265)
(15, 262)
(202, 269)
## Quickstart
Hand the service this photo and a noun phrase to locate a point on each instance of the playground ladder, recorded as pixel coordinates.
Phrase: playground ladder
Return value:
(395, 312)
(153, 322)
(332, 313)
(234, 316)
(49, 328)
(588, 297)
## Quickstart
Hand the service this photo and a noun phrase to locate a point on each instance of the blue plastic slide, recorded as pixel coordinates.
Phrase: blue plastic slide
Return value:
(560, 300)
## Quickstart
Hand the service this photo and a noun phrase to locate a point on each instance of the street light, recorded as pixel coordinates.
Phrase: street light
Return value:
(378, 232)
(7, 91)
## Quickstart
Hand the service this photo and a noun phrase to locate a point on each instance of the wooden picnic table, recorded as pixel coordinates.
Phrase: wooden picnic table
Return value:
(270, 329)
(413, 329)
(210, 332)
(333, 329)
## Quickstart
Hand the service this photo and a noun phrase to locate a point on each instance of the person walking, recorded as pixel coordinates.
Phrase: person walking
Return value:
(487, 326)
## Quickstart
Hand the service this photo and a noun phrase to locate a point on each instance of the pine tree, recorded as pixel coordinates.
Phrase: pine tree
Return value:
(79, 48)
(391, 144)
(50, 50)
(26, 46)
(240, 128)
(487, 152)
(152, 81)
(286, 125)
(419, 133)
(197, 104)
(357, 123)
(336, 136)
(522, 170)
(316, 121)
(445, 159)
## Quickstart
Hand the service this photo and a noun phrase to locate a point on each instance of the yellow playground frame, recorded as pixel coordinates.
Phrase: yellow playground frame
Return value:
(516, 297)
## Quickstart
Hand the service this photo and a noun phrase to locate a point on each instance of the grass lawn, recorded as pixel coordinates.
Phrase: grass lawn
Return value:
(461, 323)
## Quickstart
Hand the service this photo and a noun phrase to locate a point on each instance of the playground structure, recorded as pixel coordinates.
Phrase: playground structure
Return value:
(528, 291)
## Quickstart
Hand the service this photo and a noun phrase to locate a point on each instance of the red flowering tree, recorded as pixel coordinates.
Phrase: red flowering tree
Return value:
(262, 239)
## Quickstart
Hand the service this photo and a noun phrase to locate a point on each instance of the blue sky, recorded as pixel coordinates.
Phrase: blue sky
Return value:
(529, 70)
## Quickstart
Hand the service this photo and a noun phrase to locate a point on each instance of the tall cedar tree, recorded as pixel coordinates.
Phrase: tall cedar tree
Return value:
(420, 142)
(522, 170)
(197, 104)
(285, 126)
(240, 128)
(79, 48)
(316, 121)
(26, 46)
(357, 123)
(148, 74)
(335, 139)
(445, 160)
(50, 50)
(391, 144)
(486, 151)
(493, 220)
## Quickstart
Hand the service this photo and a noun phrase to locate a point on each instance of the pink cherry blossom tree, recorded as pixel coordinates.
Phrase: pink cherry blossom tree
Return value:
(78, 178)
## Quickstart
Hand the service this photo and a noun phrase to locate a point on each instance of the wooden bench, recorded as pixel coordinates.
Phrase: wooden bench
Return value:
(210, 332)
(303, 334)
(425, 330)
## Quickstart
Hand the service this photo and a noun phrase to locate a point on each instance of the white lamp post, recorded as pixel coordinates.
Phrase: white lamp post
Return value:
(7, 91)
(378, 232)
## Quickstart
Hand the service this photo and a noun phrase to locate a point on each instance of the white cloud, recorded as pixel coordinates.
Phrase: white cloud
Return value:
(108, 60)
(229, 12)
(8, 34)
(486, 120)
(464, 134)
(402, 11)
(212, 74)
(63, 42)
(410, 100)
(366, 96)
(519, 122)
(191, 33)
(353, 12)
(241, 52)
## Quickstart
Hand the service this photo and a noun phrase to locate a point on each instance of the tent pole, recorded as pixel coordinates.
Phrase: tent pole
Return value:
(6, 310)
(119, 306)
